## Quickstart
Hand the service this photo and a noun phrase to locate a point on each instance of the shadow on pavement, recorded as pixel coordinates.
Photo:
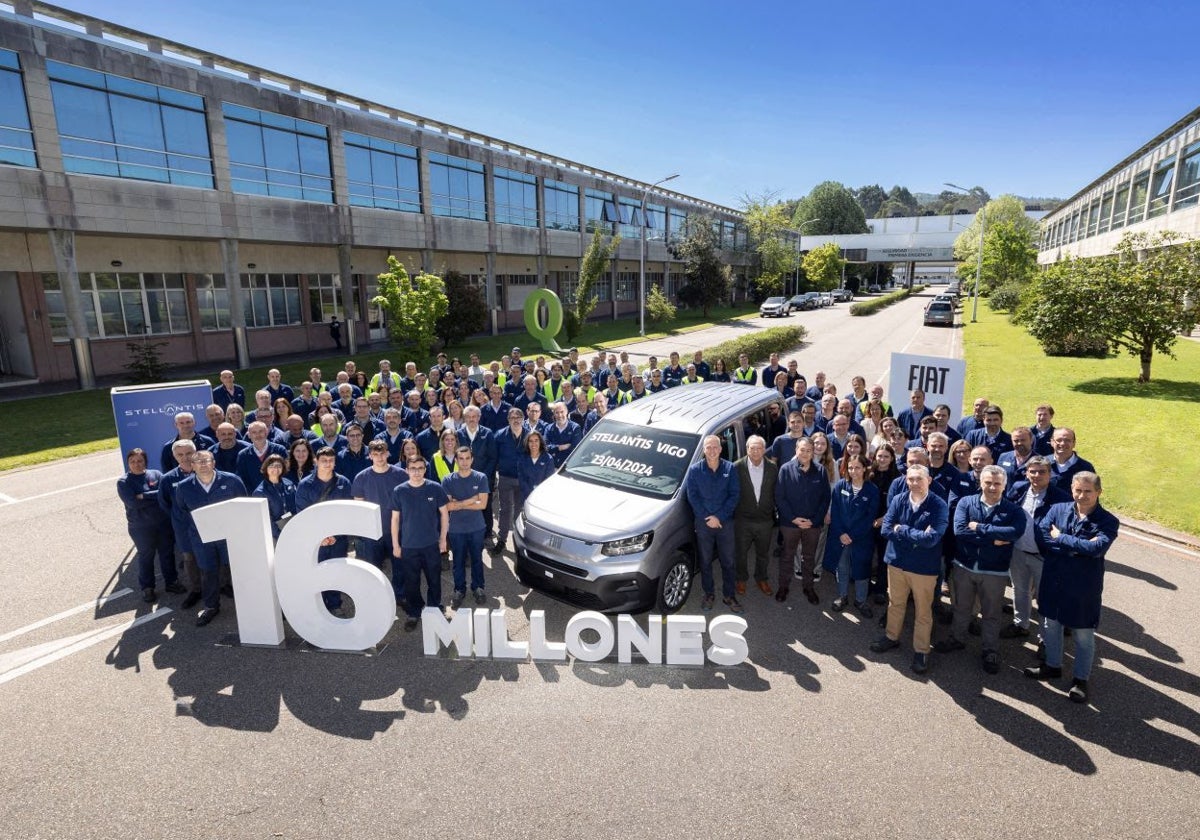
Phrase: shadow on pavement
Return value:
(1138, 574)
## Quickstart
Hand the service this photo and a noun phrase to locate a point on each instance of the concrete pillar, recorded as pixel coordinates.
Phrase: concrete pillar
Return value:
(490, 295)
(62, 243)
(237, 313)
(349, 305)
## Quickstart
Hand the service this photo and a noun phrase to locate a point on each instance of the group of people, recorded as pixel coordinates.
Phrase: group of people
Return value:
(900, 506)
(894, 505)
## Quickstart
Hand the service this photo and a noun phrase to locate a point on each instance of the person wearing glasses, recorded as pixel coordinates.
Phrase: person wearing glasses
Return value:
(420, 524)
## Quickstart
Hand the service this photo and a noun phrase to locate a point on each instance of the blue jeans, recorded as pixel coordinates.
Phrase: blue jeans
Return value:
(843, 578)
(333, 598)
(466, 547)
(426, 560)
(1085, 647)
(721, 542)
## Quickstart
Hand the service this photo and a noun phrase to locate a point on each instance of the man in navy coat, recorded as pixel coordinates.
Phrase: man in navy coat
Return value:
(206, 487)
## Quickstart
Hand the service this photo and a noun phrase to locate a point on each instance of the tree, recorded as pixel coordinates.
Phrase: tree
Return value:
(1009, 256)
(1138, 299)
(775, 258)
(870, 198)
(596, 261)
(834, 208)
(659, 307)
(413, 305)
(1006, 208)
(823, 266)
(466, 312)
(708, 279)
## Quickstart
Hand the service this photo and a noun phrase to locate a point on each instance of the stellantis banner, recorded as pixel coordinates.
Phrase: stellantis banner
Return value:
(273, 579)
(941, 379)
(145, 414)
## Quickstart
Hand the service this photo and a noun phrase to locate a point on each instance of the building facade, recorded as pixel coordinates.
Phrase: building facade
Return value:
(1155, 189)
(151, 188)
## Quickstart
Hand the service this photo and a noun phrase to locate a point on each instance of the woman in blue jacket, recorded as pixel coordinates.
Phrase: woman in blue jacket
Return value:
(535, 466)
(279, 492)
(149, 526)
(851, 545)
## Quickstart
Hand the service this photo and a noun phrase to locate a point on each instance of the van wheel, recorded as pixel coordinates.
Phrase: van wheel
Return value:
(675, 584)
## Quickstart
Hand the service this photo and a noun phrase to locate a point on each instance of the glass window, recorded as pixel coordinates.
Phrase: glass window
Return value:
(595, 203)
(627, 285)
(678, 224)
(515, 197)
(656, 221)
(456, 187)
(1106, 213)
(562, 205)
(127, 305)
(324, 297)
(1137, 198)
(566, 282)
(631, 219)
(1160, 194)
(16, 138)
(212, 299)
(271, 300)
(270, 154)
(1093, 218)
(1188, 188)
(122, 128)
(1120, 206)
(382, 174)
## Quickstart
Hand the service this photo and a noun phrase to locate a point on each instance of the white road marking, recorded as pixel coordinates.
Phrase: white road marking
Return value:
(4, 497)
(13, 501)
(20, 663)
(90, 605)
(1186, 552)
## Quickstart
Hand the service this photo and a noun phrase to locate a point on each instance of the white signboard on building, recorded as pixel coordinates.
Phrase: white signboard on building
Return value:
(943, 381)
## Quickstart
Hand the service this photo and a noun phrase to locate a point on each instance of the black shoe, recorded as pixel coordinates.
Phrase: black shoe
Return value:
(735, 606)
(175, 588)
(410, 624)
(457, 600)
(812, 596)
(149, 595)
(991, 662)
(880, 598)
(781, 594)
(190, 601)
(1007, 609)
(1014, 631)
(920, 663)
(883, 644)
(1043, 672)
(706, 603)
(227, 590)
(838, 604)
(1079, 691)
(948, 645)
(975, 628)
(206, 616)
(480, 598)
(864, 609)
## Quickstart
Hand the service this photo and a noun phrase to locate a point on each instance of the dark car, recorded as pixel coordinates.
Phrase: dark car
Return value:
(804, 302)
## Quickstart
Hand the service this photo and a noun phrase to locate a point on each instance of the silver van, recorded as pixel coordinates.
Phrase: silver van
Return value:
(612, 529)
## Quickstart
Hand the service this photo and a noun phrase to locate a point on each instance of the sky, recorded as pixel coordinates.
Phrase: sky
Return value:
(1031, 98)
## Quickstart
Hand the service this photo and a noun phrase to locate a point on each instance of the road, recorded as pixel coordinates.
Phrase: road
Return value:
(121, 721)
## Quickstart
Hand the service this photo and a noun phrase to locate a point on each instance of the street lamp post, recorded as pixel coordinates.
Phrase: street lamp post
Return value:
(642, 261)
(979, 260)
(800, 248)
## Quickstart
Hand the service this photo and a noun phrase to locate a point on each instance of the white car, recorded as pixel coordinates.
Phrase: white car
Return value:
(775, 307)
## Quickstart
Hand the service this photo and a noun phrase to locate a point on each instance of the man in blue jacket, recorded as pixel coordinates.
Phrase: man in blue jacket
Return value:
(1034, 495)
(992, 435)
(207, 487)
(321, 485)
(913, 527)
(985, 527)
(1073, 539)
(802, 498)
(713, 492)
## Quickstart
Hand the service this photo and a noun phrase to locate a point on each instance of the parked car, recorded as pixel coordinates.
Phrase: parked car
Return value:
(939, 312)
(634, 548)
(826, 298)
(805, 301)
(843, 295)
(775, 307)
(945, 298)
(873, 289)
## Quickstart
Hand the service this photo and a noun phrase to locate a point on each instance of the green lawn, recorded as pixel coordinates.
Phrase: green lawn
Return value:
(41, 429)
(1129, 431)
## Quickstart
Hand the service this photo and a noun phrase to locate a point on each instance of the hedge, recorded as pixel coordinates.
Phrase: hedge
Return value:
(870, 307)
(757, 346)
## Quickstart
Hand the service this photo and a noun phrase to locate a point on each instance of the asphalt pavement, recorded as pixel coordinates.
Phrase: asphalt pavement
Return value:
(122, 720)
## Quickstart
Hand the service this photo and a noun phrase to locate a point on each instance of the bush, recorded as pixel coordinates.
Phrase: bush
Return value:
(466, 313)
(659, 307)
(1006, 298)
(146, 365)
(1076, 345)
(759, 345)
(571, 324)
(870, 307)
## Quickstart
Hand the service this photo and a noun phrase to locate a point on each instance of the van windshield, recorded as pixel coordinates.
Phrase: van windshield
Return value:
(647, 461)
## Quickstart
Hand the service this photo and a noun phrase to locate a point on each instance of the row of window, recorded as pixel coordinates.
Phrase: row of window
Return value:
(1173, 183)
(118, 127)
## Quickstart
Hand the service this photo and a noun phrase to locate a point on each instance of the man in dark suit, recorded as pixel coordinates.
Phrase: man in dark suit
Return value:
(754, 517)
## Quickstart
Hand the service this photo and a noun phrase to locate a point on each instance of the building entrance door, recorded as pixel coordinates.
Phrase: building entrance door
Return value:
(16, 358)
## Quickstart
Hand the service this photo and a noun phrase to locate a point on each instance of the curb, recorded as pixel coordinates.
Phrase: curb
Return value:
(1148, 529)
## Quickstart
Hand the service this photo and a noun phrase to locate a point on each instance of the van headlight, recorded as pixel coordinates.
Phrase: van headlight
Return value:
(629, 545)
(519, 525)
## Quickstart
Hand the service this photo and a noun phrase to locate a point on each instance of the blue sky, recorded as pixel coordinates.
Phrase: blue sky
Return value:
(1023, 97)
